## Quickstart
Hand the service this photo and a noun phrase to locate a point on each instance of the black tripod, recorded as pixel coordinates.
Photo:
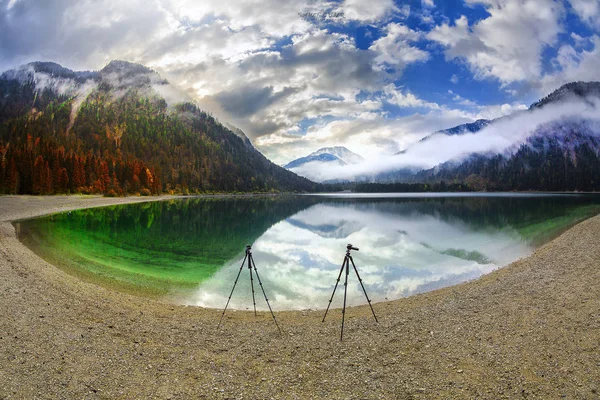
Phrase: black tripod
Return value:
(346, 264)
(251, 264)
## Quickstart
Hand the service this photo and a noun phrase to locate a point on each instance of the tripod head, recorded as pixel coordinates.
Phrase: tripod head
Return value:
(350, 247)
(248, 248)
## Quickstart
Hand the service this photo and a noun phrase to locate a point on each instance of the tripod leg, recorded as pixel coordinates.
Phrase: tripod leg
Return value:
(252, 283)
(345, 291)
(363, 288)
(230, 294)
(334, 288)
(263, 290)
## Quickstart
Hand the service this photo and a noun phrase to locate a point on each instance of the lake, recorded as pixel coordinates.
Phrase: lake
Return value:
(190, 251)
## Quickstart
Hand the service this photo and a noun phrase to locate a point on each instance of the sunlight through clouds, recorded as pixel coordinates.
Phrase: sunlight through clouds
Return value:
(297, 76)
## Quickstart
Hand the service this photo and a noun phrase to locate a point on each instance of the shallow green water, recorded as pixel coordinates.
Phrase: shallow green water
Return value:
(192, 249)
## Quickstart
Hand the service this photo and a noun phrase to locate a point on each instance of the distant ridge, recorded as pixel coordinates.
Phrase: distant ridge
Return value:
(336, 154)
(568, 91)
(558, 155)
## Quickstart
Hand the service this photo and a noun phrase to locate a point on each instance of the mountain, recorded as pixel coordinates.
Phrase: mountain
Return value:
(321, 158)
(311, 165)
(559, 156)
(340, 230)
(555, 147)
(338, 155)
(470, 127)
(342, 153)
(50, 69)
(239, 133)
(123, 129)
(570, 91)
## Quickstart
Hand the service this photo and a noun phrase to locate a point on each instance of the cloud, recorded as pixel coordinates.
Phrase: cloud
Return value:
(487, 111)
(198, 44)
(405, 99)
(87, 34)
(373, 134)
(250, 99)
(573, 64)
(508, 44)
(317, 75)
(171, 94)
(505, 134)
(275, 18)
(82, 35)
(370, 135)
(498, 110)
(470, 109)
(371, 11)
(588, 11)
(394, 48)
(294, 83)
(300, 261)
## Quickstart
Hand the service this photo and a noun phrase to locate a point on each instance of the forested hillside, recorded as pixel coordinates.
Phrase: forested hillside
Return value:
(560, 157)
(112, 132)
(562, 154)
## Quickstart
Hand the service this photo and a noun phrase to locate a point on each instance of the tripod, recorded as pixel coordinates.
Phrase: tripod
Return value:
(251, 264)
(346, 264)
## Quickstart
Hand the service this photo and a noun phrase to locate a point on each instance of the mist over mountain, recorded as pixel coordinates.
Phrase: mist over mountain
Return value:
(560, 156)
(123, 129)
(470, 127)
(552, 146)
(572, 91)
(311, 165)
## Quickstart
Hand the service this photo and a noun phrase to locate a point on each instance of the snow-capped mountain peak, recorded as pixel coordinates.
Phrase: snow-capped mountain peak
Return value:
(340, 152)
(338, 155)
(311, 165)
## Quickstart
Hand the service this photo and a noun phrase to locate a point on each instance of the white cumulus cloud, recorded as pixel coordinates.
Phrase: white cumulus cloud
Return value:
(508, 44)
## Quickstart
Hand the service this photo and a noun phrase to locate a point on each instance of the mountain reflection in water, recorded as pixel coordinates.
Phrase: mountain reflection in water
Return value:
(407, 246)
(190, 251)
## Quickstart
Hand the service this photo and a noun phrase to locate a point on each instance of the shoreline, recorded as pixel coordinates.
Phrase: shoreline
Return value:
(61, 203)
(531, 328)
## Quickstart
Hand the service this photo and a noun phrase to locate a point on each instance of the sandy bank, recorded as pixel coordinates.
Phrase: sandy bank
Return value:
(531, 329)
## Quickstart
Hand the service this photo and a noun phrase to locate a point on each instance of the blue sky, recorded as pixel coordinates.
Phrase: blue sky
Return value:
(374, 76)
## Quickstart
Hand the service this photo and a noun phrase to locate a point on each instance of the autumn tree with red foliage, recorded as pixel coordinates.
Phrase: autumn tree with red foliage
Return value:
(122, 144)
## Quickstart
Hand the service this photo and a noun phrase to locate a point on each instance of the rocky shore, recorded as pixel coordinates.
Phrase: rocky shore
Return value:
(528, 330)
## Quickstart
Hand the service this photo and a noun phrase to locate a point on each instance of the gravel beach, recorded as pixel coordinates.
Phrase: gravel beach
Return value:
(528, 330)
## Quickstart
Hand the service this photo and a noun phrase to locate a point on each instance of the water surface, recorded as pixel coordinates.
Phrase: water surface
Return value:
(191, 250)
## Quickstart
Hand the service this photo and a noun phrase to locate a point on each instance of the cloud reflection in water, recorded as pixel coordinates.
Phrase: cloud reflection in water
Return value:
(402, 252)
